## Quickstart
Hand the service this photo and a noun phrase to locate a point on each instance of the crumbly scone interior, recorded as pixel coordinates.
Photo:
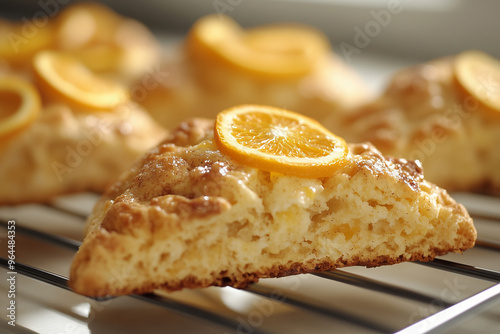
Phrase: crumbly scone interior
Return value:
(190, 217)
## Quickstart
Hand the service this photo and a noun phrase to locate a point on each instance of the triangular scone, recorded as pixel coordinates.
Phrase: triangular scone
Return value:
(424, 114)
(187, 216)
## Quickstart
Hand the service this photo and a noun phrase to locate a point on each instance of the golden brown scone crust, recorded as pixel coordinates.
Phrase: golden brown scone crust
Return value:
(425, 115)
(188, 89)
(66, 151)
(187, 217)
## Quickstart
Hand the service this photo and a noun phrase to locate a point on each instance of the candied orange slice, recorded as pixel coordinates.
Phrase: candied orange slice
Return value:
(479, 74)
(274, 51)
(19, 105)
(63, 77)
(279, 140)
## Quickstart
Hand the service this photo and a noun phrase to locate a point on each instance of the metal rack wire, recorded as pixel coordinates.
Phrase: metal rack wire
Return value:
(450, 314)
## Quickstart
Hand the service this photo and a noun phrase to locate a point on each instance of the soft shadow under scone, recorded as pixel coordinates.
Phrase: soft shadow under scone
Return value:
(194, 83)
(424, 114)
(187, 216)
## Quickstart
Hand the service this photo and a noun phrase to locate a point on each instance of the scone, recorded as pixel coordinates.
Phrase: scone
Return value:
(65, 133)
(445, 113)
(190, 216)
(220, 65)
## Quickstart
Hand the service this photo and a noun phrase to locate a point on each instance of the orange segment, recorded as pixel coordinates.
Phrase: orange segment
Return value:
(19, 105)
(479, 74)
(274, 51)
(279, 140)
(63, 77)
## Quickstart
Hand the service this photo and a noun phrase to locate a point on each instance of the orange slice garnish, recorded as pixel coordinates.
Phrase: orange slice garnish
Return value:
(19, 105)
(279, 140)
(274, 51)
(63, 77)
(479, 75)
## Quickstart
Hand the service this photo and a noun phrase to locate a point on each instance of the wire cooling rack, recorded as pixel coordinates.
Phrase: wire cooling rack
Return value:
(454, 293)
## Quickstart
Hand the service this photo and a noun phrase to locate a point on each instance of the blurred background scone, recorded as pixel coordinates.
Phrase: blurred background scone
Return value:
(219, 65)
(67, 121)
(376, 38)
(445, 113)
